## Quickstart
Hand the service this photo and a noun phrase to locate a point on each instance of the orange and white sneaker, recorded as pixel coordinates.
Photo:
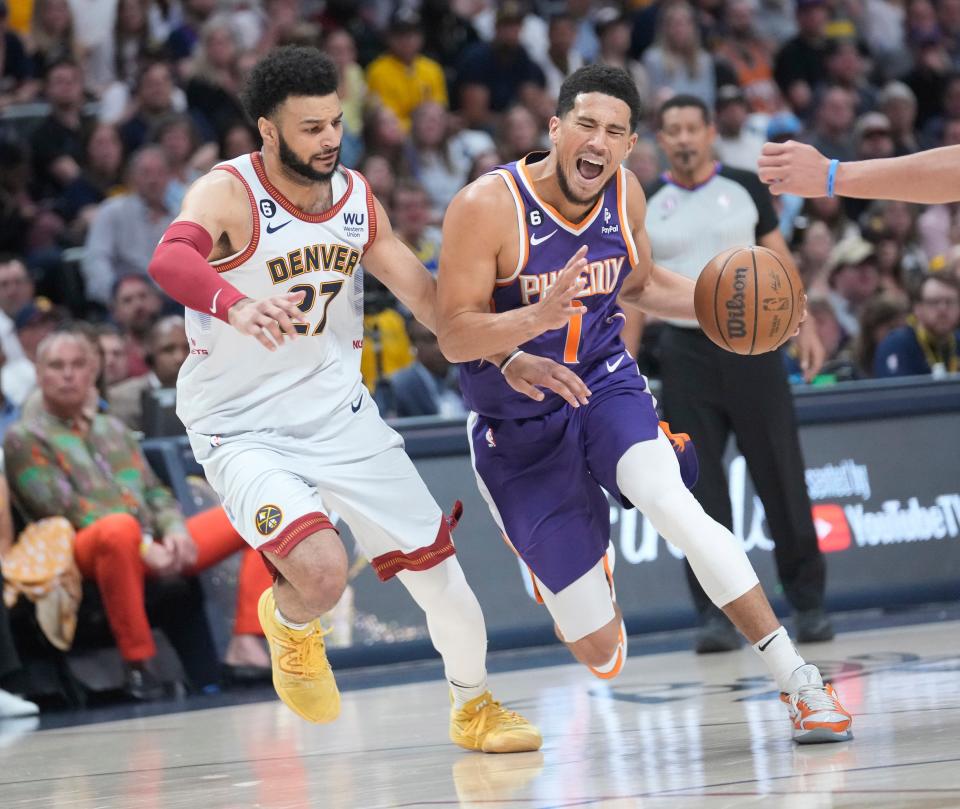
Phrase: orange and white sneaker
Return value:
(815, 709)
(613, 668)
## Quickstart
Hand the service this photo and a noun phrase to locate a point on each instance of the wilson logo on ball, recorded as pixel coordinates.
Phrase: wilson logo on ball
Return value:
(736, 306)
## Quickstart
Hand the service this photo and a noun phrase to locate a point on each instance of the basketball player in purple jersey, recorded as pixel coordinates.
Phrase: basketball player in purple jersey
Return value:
(541, 254)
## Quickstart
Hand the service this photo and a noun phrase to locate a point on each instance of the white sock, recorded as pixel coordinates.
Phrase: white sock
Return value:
(780, 655)
(288, 623)
(462, 694)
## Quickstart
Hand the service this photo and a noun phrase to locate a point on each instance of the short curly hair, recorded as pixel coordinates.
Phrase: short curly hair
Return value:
(289, 71)
(611, 81)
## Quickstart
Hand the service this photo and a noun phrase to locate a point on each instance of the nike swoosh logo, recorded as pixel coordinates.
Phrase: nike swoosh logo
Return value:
(763, 646)
(535, 241)
(611, 367)
(213, 308)
(356, 407)
(272, 229)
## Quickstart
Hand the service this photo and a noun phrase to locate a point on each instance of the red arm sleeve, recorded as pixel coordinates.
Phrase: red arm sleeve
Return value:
(180, 268)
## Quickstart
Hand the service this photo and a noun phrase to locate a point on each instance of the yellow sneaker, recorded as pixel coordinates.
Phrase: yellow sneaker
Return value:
(484, 724)
(302, 676)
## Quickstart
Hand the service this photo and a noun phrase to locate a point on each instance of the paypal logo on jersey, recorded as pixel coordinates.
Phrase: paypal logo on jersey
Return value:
(607, 227)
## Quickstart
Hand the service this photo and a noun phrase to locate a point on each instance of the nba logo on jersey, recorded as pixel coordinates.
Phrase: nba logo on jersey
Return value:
(268, 519)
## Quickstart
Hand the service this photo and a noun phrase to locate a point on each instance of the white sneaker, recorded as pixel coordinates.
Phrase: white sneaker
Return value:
(815, 710)
(11, 705)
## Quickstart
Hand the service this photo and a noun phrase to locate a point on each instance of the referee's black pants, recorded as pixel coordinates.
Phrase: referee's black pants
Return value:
(709, 392)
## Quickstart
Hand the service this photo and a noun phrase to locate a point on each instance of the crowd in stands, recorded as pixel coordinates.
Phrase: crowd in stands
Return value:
(109, 109)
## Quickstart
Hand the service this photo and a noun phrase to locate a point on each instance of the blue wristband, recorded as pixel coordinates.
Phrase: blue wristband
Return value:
(832, 176)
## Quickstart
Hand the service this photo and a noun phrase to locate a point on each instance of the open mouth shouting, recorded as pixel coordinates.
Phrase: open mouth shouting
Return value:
(589, 168)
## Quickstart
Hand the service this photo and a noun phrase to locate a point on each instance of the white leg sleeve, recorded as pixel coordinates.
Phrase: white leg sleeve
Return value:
(454, 619)
(582, 607)
(649, 475)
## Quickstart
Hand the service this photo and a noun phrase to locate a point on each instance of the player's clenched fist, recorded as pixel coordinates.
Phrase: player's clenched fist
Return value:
(556, 307)
(268, 320)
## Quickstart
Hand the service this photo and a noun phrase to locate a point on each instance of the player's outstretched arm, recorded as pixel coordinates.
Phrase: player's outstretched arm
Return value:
(475, 228)
(649, 287)
(215, 206)
(926, 177)
(393, 263)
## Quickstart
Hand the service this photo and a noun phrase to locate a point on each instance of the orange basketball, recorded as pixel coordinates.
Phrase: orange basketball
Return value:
(747, 301)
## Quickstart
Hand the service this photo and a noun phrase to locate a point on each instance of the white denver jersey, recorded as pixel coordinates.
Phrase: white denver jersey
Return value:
(231, 383)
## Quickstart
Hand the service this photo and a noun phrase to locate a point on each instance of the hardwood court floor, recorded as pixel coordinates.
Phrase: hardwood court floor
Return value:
(675, 730)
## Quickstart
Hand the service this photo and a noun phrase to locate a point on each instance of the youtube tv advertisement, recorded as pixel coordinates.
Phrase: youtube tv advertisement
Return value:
(885, 495)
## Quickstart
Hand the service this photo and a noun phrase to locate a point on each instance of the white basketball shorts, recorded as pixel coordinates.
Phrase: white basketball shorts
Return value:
(278, 489)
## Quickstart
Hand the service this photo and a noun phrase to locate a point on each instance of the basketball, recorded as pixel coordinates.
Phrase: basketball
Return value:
(748, 301)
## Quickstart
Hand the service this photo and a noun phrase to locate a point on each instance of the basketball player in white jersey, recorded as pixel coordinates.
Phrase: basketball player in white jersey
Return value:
(266, 257)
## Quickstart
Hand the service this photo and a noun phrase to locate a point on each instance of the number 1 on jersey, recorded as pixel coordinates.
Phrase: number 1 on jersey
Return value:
(328, 291)
(571, 346)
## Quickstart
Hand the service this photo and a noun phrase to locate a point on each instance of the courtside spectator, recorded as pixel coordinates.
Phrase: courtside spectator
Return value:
(64, 460)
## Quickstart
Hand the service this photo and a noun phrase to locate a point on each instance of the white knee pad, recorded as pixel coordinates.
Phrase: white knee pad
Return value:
(649, 475)
(454, 619)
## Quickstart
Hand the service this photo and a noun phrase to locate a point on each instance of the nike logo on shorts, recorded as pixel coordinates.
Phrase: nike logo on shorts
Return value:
(356, 406)
(535, 241)
(213, 307)
(612, 366)
(272, 229)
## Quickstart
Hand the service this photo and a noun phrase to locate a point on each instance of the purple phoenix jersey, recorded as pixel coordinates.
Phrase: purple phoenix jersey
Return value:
(541, 465)
(547, 242)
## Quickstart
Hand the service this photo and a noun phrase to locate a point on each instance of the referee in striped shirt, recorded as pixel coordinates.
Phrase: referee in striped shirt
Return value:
(696, 210)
